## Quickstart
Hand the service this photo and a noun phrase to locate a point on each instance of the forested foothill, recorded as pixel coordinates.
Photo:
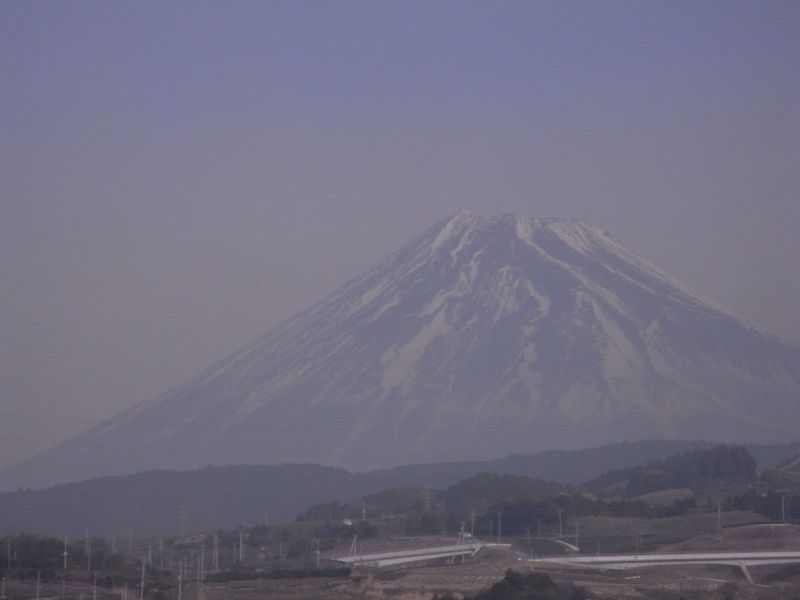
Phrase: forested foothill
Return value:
(171, 503)
(723, 478)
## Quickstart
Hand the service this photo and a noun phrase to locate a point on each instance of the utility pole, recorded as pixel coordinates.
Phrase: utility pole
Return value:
(491, 529)
(354, 547)
(130, 541)
(427, 495)
(65, 553)
(202, 563)
(141, 584)
(363, 512)
(472, 522)
(88, 555)
(560, 528)
(576, 533)
(216, 554)
(783, 508)
(241, 546)
(499, 528)
(161, 554)
(8, 554)
(461, 541)
(317, 553)
(149, 553)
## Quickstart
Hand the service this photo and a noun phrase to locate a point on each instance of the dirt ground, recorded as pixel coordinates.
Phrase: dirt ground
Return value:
(750, 537)
(702, 581)
(696, 582)
(407, 584)
(668, 583)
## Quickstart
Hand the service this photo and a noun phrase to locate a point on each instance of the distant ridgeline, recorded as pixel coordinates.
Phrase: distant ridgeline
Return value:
(697, 470)
(171, 502)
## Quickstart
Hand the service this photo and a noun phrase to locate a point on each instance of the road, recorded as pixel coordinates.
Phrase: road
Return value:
(628, 561)
(386, 559)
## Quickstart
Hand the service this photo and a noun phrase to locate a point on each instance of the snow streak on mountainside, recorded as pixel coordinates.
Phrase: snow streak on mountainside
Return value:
(482, 337)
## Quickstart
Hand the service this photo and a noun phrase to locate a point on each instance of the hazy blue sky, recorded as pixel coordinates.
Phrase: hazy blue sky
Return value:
(179, 177)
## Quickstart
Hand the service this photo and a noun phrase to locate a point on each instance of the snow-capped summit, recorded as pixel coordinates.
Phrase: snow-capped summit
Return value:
(483, 336)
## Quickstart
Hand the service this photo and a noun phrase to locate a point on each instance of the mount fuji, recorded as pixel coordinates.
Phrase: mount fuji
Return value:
(482, 337)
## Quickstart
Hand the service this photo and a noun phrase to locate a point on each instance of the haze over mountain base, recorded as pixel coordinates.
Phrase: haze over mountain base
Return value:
(484, 336)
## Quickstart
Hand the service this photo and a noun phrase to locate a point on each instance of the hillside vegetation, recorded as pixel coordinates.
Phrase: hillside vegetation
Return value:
(697, 470)
(176, 502)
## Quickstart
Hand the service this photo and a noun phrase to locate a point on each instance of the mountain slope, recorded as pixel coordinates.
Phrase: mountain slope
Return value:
(484, 336)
